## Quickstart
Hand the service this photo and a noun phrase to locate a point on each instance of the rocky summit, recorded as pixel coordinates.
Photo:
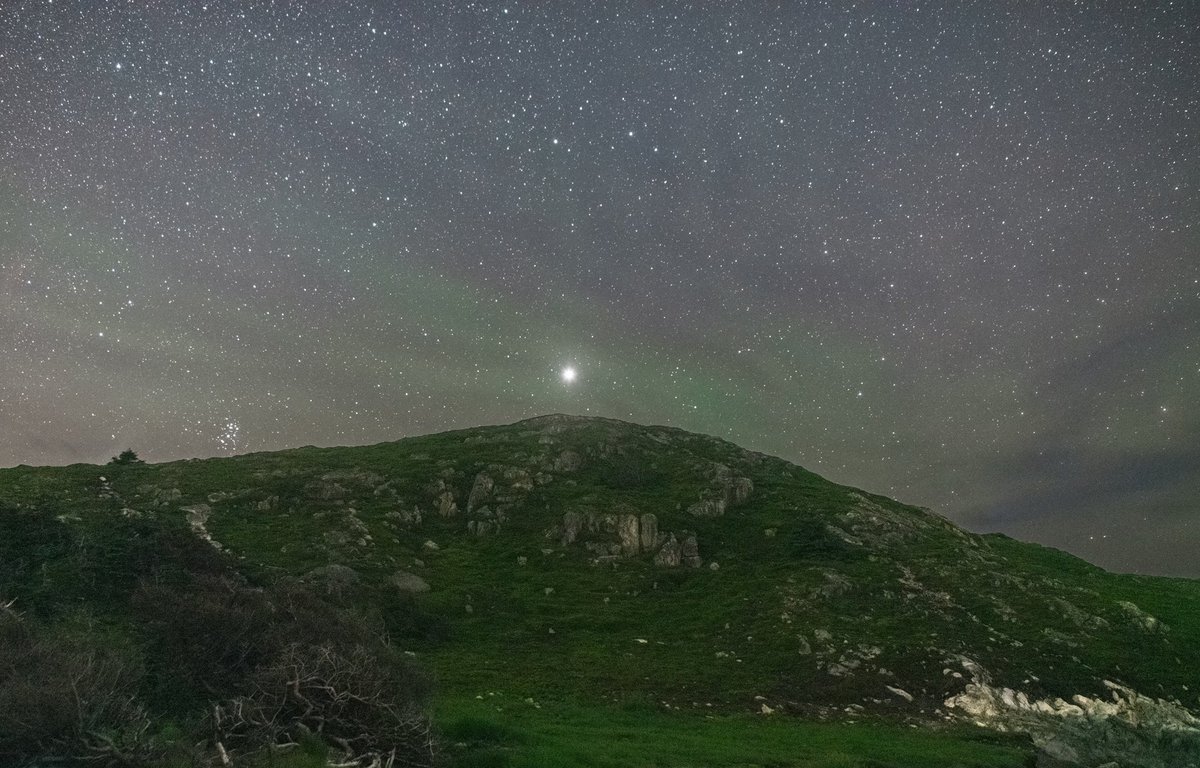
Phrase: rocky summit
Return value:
(609, 565)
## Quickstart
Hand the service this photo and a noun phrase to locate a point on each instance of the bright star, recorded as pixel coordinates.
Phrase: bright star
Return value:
(568, 375)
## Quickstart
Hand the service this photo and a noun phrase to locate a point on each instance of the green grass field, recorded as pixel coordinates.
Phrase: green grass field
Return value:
(505, 731)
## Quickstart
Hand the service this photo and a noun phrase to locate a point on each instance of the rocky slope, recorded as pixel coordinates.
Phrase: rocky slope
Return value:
(592, 558)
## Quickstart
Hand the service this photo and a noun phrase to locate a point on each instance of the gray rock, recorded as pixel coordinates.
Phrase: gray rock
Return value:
(447, 507)
(628, 534)
(406, 517)
(572, 524)
(481, 491)
(1148, 623)
(739, 490)
(708, 508)
(335, 578)
(900, 692)
(327, 490)
(409, 582)
(567, 461)
(648, 532)
(690, 551)
(1057, 753)
(481, 527)
(670, 554)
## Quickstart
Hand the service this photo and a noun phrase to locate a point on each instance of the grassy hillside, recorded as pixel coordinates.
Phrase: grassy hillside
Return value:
(517, 563)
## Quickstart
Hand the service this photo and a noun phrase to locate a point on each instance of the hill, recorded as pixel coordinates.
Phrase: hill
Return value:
(577, 585)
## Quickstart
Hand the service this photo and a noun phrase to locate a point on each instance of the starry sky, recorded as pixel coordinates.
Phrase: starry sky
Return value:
(948, 252)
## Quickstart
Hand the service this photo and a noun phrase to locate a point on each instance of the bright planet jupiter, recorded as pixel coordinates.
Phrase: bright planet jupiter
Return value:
(947, 252)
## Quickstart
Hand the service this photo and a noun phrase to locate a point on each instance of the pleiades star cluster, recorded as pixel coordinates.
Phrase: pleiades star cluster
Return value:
(947, 252)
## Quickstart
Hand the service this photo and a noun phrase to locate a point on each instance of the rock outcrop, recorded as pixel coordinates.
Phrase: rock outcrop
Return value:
(446, 506)
(1145, 621)
(726, 490)
(197, 518)
(1135, 730)
(648, 532)
(669, 556)
(481, 491)
(627, 534)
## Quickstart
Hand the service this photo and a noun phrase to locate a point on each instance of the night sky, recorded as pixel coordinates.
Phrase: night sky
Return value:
(949, 253)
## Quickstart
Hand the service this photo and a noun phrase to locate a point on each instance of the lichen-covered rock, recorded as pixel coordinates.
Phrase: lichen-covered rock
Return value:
(1132, 728)
(446, 506)
(689, 553)
(572, 524)
(335, 578)
(197, 518)
(738, 490)
(481, 491)
(670, 554)
(628, 534)
(708, 508)
(326, 490)
(648, 532)
(409, 518)
(567, 461)
(409, 582)
(1148, 623)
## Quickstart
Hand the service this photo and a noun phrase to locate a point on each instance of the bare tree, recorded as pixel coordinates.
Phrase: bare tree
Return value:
(353, 699)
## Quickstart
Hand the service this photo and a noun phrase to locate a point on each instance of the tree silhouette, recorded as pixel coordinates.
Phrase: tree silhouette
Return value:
(127, 456)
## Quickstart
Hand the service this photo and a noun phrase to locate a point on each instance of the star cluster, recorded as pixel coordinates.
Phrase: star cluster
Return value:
(947, 251)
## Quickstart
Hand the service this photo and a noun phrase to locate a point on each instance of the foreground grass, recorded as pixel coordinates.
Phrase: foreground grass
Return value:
(507, 732)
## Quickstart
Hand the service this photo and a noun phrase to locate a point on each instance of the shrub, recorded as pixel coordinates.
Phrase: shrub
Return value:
(68, 694)
(286, 666)
(125, 457)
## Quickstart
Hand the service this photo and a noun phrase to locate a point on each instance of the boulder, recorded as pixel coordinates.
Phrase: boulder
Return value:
(628, 534)
(335, 578)
(327, 490)
(648, 532)
(572, 524)
(690, 551)
(670, 554)
(481, 527)
(409, 582)
(708, 508)
(481, 491)
(567, 461)
(406, 517)
(446, 504)
(1145, 621)
(738, 490)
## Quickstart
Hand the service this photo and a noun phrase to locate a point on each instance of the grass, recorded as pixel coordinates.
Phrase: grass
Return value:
(508, 732)
(518, 612)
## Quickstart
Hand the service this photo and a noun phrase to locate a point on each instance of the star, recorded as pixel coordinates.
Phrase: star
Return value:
(569, 375)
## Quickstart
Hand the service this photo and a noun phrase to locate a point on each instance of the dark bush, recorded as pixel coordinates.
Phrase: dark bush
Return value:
(125, 457)
(69, 694)
(287, 665)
